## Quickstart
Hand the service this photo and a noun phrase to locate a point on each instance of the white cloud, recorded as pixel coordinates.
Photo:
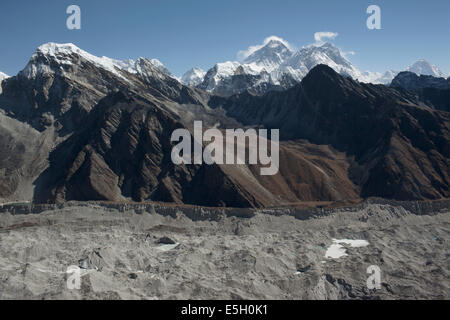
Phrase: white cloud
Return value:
(243, 54)
(320, 36)
(347, 54)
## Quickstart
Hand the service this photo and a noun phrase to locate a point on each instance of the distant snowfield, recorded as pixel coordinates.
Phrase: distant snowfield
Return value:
(167, 247)
(337, 250)
(14, 202)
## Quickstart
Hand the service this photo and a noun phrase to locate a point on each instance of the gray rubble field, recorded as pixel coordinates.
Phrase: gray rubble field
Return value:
(141, 254)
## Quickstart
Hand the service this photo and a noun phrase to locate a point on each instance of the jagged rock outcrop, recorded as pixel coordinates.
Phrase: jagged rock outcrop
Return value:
(412, 81)
(433, 91)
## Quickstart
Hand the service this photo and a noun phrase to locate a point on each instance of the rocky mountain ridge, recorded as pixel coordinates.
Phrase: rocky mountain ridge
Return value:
(74, 129)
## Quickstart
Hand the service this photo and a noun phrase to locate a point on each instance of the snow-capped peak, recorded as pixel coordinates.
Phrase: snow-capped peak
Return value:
(63, 54)
(272, 41)
(158, 64)
(193, 77)
(275, 60)
(268, 56)
(325, 53)
(423, 67)
(256, 60)
(219, 72)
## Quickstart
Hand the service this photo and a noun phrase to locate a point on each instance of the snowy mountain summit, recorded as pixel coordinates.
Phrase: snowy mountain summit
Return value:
(269, 56)
(423, 67)
(193, 77)
(325, 53)
(275, 64)
(63, 55)
(54, 57)
(272, 65)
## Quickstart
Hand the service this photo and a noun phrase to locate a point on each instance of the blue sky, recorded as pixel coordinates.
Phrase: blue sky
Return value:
(187, 33)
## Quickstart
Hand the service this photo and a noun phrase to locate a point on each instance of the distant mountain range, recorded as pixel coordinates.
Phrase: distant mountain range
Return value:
(434, 91)
(413, 81)
(277, 66)
(273, 66)
(423, 67)
(78, 127)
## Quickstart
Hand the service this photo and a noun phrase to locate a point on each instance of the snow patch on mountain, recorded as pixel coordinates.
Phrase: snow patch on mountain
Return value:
(63, 54)
(193, 77)
(387, 77)
(3, 76)
(161, 66)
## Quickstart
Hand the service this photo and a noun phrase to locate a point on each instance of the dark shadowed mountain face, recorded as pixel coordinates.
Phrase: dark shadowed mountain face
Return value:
(433, 91)
(122, 153)
(119, 146)
(401, 146)
(438, 98)
(412, 81)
